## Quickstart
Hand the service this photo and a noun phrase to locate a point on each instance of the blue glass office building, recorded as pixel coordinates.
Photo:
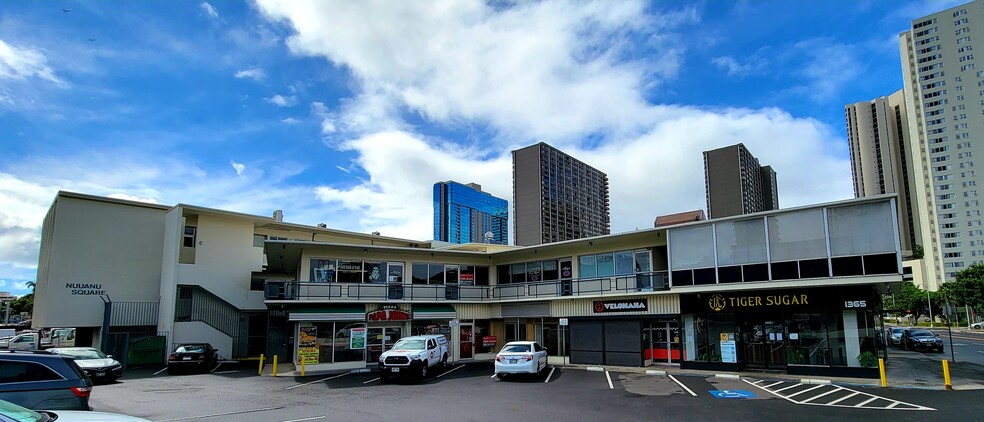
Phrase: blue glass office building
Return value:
(463, 214)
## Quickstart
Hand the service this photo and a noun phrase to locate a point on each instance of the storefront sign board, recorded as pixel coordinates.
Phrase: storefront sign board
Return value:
(729, 352)
(603, 306)
(489, 341)
(357, 338)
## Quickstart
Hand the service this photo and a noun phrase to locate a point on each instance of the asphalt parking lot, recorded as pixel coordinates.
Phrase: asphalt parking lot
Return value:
(470, 392)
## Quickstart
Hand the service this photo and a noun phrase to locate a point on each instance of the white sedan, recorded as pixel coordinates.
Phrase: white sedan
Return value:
(520, 357)
(977, 326)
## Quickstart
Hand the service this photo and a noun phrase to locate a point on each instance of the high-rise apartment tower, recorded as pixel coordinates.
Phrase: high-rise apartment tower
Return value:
(556, 197)
(736, 184)
(944, 92)
(465, 214)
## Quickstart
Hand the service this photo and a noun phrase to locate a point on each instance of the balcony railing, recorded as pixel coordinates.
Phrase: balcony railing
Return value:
(595, 286)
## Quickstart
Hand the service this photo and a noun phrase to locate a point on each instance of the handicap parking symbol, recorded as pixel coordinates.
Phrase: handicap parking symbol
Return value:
(732, 394)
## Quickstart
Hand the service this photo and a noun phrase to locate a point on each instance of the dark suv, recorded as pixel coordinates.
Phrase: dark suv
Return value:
(41, 380)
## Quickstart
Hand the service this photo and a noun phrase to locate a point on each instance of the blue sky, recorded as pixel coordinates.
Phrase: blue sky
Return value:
(347, 112)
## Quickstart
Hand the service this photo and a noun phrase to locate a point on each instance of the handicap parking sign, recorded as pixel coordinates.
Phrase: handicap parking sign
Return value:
(732, 394)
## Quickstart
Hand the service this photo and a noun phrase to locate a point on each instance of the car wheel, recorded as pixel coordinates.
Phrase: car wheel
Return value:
(384, 377)
(110, 379)
(500, 376)
(423, 371)
(171, 371)
(444, 361)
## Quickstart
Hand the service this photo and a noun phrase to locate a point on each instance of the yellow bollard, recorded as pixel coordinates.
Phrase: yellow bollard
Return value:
(261, 365)
(302, 366)
(946, 374)
(274, 365)
(881, 370)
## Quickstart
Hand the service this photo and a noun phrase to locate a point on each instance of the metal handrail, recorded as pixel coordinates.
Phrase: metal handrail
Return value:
(622, 284)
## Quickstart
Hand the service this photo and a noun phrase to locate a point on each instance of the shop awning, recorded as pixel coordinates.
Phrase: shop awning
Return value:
(329, 313)
(434, 312)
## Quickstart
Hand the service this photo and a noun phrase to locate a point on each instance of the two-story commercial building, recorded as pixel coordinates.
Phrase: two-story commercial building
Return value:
(794, 289)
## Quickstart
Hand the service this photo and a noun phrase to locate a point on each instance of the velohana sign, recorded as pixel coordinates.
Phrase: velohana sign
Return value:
(619, 306)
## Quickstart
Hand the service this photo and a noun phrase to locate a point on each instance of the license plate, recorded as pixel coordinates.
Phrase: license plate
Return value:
(186, 358)
(99, 374)
(512, 361)
(395, 369)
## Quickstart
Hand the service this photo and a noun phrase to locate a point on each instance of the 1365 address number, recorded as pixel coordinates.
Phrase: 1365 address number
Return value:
(855, 304)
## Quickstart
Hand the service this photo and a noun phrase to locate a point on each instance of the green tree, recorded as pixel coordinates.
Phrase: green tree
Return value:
(967, 288)
(917, 252)
(24, 303)
(917, 301)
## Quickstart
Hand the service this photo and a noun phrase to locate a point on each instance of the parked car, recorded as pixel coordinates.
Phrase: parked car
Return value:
(919, 339)
(895, 336)
(414, 356)
(520, 357)
(96, 364)
(977, 326)
(28, 340)
(4, 341)
(41, 380)
(10, 412)
(199, 356)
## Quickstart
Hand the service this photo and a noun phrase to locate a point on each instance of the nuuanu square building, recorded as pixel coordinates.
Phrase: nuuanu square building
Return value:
(796, 290)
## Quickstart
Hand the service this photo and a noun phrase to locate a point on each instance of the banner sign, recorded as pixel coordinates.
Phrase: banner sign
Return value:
(357, 339)
(619, 305)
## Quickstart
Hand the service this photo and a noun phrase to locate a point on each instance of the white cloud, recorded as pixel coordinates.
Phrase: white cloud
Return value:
(253, 73)
(752, 65)
(823, 55)
(289, 121)
(282, 101)
(536, 70)
(209, 10)
(132, 198)
(23, 63)
(240, 168)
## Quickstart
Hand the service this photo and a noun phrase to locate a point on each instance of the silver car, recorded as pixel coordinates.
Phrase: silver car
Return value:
(10, 412)
(96, 364)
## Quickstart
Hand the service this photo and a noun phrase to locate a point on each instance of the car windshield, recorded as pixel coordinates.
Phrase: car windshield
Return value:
(190, 348)
(922, 333)
(516, 348)
(21, 414)
(83, 353)
(897, 331)
(409, 344)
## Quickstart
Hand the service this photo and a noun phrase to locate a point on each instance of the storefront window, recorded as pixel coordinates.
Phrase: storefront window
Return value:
(349, 272)
(395, 273)
(485, 341)
(708, 330)
(435, 274)
(835, 336)
(517, 273)
(420, 273)
(606, 265)
(434, 326)
(550, 272)
(588, 266)
(808, 340)
(330, 342)
(375, 272)
(623, 263)
(533, 272)
(322, 270)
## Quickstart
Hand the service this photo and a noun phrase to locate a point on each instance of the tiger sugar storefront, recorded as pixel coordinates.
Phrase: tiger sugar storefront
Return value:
(808, 331)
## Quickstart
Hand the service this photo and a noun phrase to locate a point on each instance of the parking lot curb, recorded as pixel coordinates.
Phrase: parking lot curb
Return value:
(728, 376)
(595, 369)
(655, 372)
(814, 381)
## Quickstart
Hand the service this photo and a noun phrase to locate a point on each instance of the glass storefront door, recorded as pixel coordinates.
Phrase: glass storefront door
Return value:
(466, 338)
(764, 344)
(379, 340)
(661, 340)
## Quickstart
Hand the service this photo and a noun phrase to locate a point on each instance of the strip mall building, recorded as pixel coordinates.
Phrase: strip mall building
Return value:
(796, 290)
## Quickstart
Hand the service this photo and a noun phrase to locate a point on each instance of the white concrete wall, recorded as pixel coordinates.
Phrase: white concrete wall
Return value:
(200, 332)
(224, 259)
(110, 244)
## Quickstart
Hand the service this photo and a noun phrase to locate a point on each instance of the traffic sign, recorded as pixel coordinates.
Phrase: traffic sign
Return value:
(563, 321)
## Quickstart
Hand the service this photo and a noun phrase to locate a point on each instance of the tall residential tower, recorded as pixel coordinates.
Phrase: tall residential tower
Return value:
(465, 214)
(944, 92)
(736, 184)
(556, 197)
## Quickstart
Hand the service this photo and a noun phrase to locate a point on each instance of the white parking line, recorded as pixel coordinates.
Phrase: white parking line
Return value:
(866, 403)
(372, 380)
(610, 385)
(162, 370)
(308, 419)
(189, 418)
(450, 370)
(226, 372)
(314, 382)
(493, 376)
(684, 386)
(550, 374)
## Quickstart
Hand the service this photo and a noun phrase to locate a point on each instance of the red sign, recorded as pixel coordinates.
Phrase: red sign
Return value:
(489, 341)
(388, 315)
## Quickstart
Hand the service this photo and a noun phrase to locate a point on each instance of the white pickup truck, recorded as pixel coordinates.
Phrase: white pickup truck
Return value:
(414, 357)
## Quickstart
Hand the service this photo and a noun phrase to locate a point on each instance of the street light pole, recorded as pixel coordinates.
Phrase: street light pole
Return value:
(930, 302)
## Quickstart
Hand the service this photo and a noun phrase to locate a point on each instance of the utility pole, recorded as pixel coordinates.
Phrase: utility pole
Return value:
(930, 302)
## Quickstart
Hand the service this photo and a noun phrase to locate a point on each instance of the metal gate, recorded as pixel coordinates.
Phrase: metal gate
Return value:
(280, 341)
